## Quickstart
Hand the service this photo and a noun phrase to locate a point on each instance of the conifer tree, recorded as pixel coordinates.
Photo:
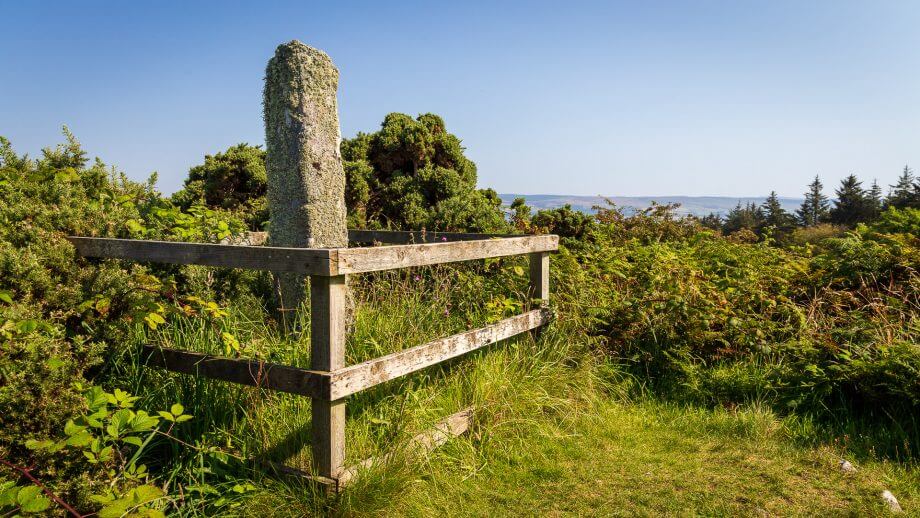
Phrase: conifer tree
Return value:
(815, 208)
(904, 191)
(851, 206)
(774, 215)
(748, 216)
(874, 201)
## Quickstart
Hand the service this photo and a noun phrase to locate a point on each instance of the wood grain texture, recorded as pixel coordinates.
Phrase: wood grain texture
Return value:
(310, 261)
(355, 378)
(246, 372)
(327, 353)
(423, 443)
(539, 277)
(370, 259)
(397, 237)
(393, 237)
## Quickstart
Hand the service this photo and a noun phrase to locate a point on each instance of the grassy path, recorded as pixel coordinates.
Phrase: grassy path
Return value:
(649, 459)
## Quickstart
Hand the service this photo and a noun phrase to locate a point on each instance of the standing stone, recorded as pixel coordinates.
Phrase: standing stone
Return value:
(306, 182)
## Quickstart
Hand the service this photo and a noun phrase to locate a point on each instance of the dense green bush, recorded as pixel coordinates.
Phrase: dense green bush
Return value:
(62, 317)
(724, 321)
(411, 174)
(234, 180)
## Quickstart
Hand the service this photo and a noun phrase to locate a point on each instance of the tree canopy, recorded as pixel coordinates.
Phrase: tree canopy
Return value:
(413, 174)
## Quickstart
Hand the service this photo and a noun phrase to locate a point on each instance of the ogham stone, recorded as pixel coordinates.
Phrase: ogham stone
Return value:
(306, 181)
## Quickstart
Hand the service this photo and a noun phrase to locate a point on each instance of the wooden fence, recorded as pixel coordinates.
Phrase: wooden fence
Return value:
(329, 381)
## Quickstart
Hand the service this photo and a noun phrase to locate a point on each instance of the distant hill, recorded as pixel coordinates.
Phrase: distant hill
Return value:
(695, 205)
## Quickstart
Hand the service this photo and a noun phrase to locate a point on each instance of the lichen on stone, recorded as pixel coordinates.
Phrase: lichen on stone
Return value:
(306, 181)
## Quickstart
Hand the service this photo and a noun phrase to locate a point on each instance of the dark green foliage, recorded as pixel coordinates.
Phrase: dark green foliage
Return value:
(62, 317)
(776, 218)
(412, 174)
(816, 207)
(712, 221)
(743, 217)
(520, 215)
(233, 180)
(563, 221)
(852, 205)
(725, 321)
(906, 192)
(874, 201)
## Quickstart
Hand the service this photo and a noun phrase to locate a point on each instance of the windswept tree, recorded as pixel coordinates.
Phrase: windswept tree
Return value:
(852, 203)
(816, 207)
(906, 192)
(413, 174)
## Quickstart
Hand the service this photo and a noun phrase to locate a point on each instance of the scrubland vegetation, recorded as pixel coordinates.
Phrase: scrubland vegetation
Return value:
(693, 367)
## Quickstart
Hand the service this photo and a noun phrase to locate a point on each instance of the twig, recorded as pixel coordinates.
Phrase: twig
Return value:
(26, 473)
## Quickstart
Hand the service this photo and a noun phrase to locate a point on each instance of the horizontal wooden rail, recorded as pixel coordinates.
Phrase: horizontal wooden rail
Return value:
(370, 259)
(399, 237)
(340, 383)
(310, 261)
(392, 237)
(314, 384)
(361, 376)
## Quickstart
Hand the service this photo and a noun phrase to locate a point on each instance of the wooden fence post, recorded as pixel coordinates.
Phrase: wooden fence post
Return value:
(327, 343)
(539, 277)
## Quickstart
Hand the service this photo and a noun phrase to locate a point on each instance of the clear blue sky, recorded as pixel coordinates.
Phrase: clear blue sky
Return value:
(635, 98)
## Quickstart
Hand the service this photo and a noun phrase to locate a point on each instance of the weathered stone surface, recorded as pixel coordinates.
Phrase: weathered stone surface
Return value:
(892, 502)
(306, 182)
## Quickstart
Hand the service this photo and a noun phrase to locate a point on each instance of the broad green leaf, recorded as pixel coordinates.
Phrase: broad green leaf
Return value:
(6, 296)
(177, 409)
(33, 444)
(26, 494)
(133, 439)
(36, 505)
(146, 493)
(26, 326)
(80, 439)
(8, 493)
(72, 429)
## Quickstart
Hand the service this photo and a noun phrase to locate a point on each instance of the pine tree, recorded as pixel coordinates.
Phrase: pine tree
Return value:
(851, 206)
(774, 215)
(815, 208)
(905, 191)
(748, 216)
(712, 221)
(874, 201)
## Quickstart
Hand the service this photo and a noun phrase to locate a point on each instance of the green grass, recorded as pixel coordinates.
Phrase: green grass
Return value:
(651, 458)
(556, 431)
